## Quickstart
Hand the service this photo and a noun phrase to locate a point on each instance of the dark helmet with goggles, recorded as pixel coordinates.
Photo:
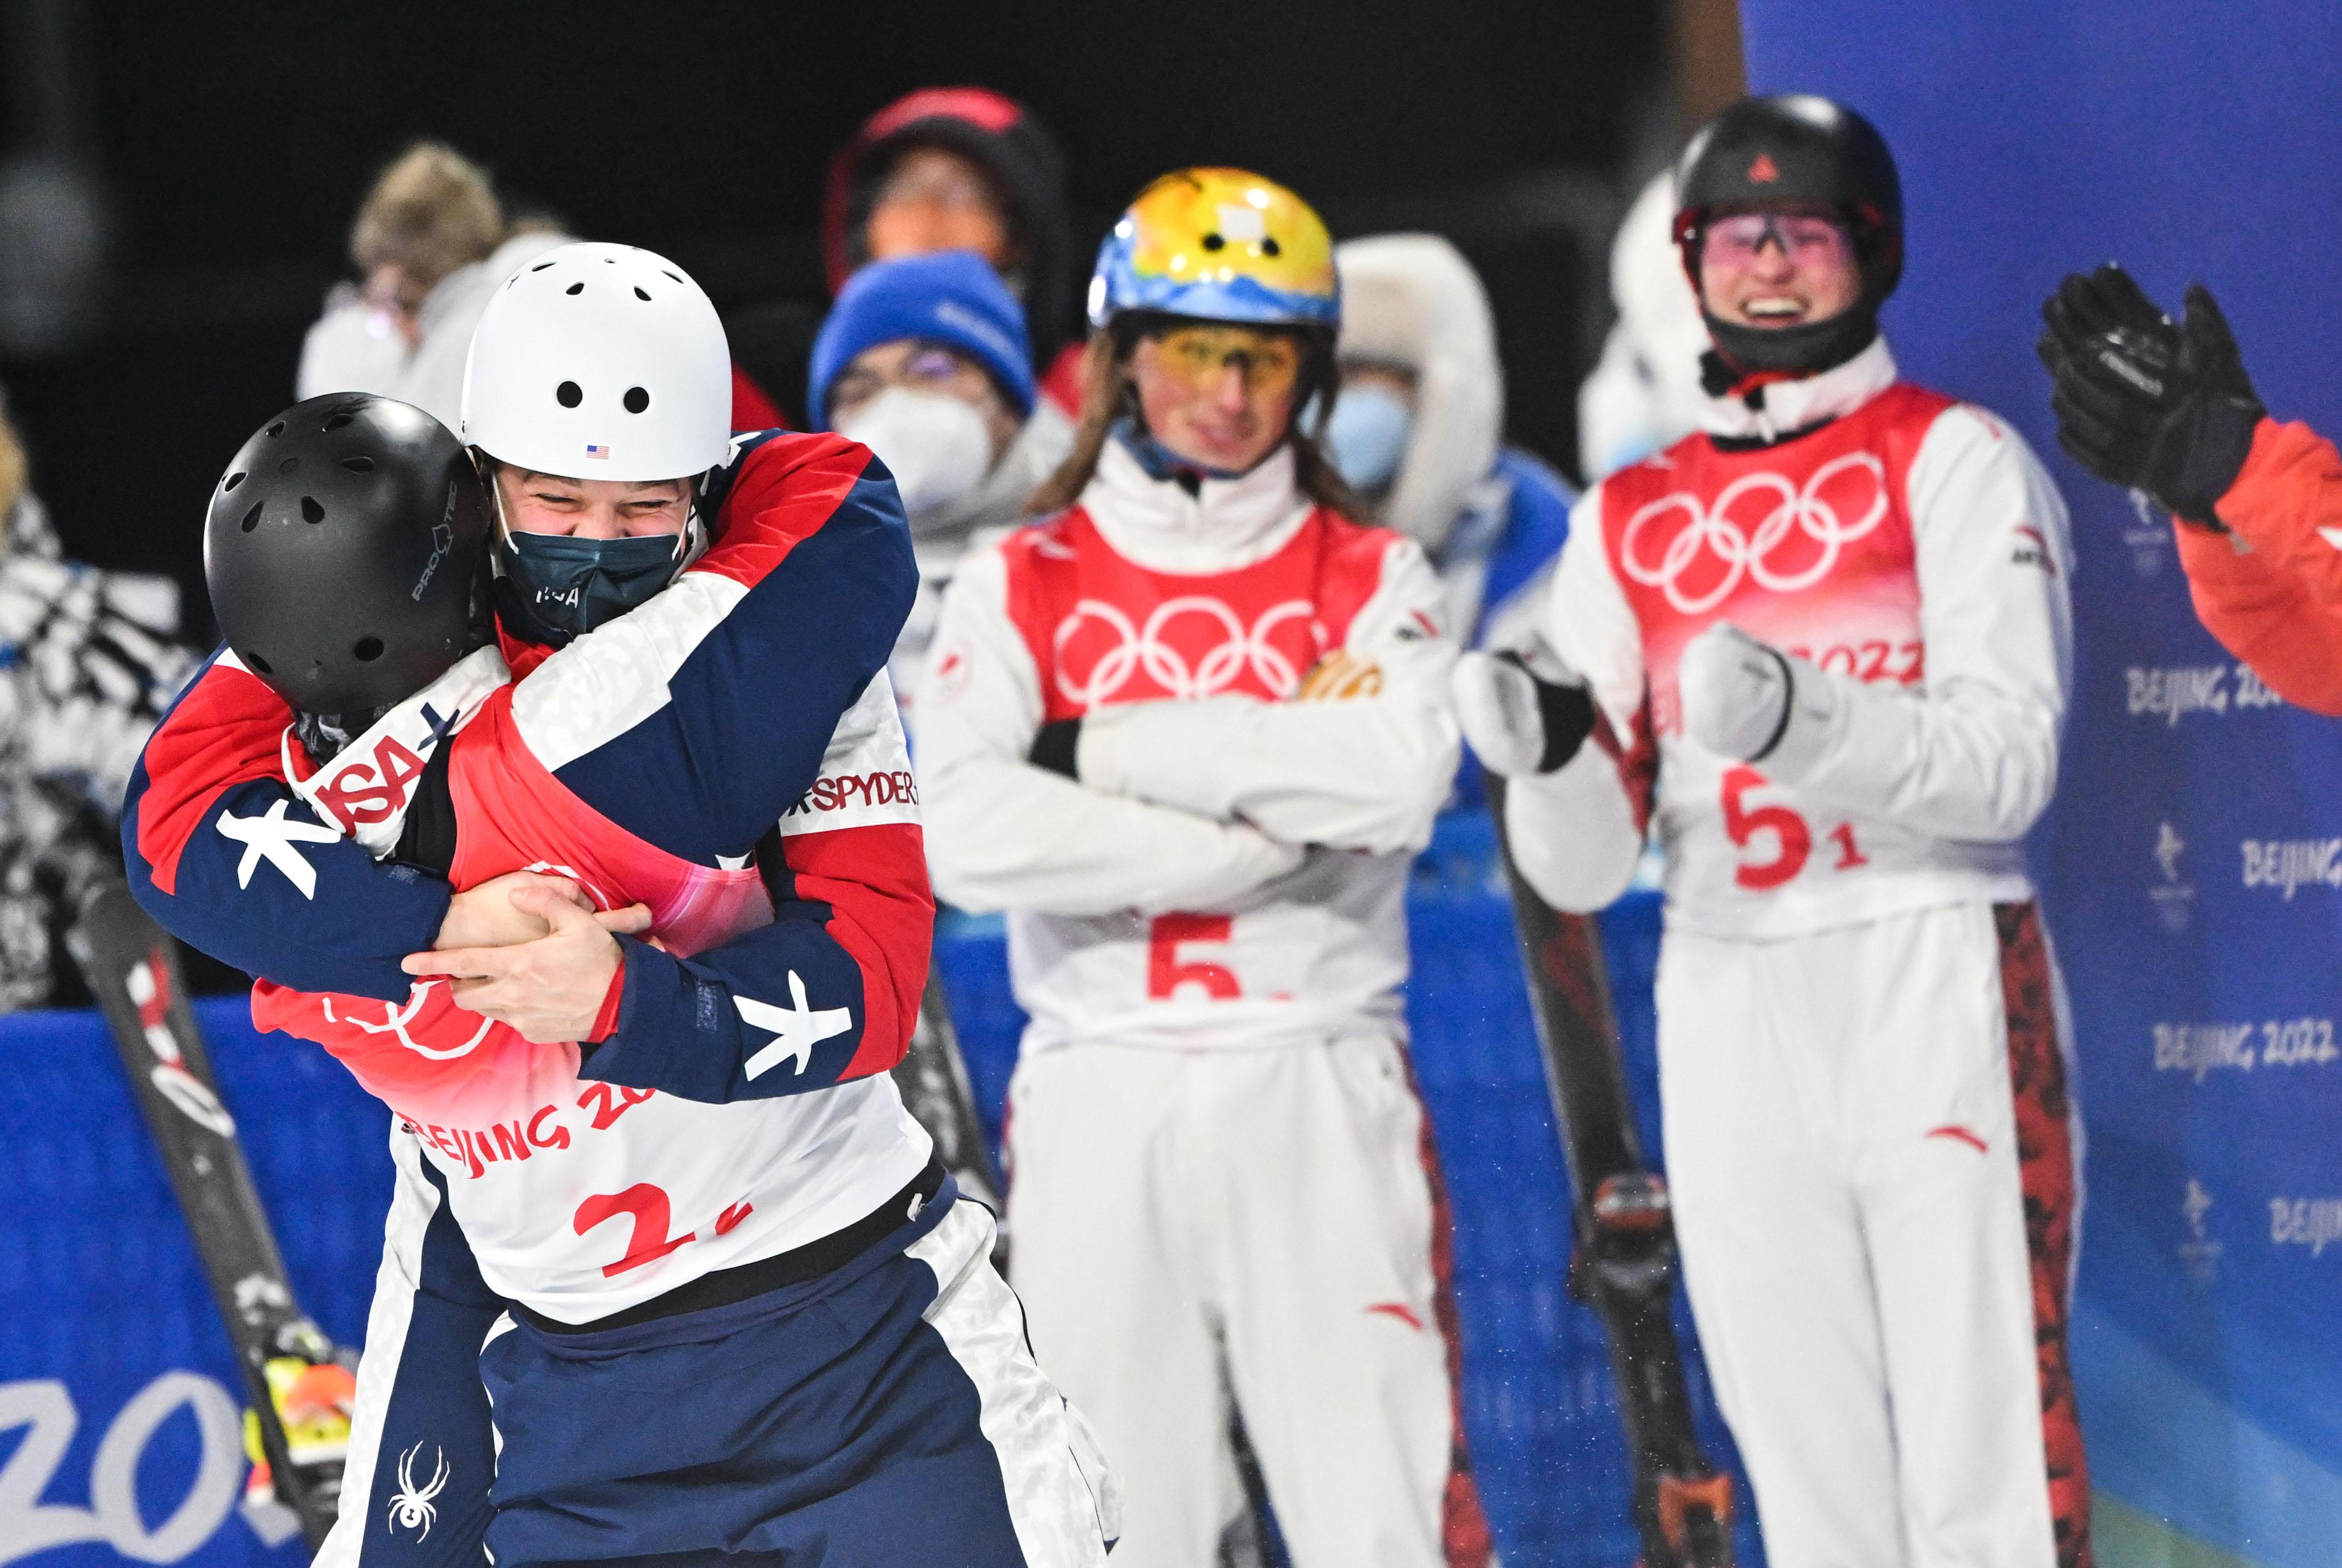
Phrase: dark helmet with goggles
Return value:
(1795, 152)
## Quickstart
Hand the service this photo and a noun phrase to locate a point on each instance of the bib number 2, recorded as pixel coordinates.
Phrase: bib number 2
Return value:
(1775, 841)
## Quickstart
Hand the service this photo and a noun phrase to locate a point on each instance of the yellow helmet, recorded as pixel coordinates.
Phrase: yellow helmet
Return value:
(1218, 245)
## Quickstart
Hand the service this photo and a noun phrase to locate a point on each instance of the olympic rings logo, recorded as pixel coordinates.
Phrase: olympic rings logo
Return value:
(394, 1020)
(1711, 532)
(1143, 647)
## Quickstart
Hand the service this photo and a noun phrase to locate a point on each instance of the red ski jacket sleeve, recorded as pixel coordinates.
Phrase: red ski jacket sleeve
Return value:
(2271, 588)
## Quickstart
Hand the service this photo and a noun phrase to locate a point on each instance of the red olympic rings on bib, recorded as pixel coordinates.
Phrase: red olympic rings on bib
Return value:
(1794, 545)
(1137, 647)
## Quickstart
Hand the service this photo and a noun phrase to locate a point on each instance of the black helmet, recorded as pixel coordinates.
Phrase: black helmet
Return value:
(346, 549)
(1795, 148)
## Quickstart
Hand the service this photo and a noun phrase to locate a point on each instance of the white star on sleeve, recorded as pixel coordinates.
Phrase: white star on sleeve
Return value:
(271, 837)
(795, 1029)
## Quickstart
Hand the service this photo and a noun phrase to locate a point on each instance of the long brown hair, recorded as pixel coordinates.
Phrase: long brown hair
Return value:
(1107, 395)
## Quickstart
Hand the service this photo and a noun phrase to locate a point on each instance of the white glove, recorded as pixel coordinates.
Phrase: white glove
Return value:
(1747, 700)
(1523, 712)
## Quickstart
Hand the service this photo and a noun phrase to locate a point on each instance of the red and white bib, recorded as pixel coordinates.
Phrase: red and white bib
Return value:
(1808, 545)
(1320, 950)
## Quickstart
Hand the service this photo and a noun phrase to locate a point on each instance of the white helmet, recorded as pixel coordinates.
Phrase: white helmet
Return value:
(600, 362)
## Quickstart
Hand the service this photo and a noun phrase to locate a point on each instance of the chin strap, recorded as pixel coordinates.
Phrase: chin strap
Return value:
(1755, 355)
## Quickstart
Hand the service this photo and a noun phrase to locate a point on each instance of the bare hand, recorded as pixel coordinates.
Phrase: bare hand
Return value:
(548, 987)
(485, 916)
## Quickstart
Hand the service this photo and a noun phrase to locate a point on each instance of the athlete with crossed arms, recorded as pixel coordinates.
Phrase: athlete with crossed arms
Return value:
(1835, 623)
(1189, 732)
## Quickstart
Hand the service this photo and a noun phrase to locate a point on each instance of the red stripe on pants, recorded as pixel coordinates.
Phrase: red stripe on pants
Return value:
(2045, 1145)
(1464, 1527)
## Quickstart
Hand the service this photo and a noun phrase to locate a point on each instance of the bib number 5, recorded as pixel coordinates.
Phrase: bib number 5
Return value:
(1789, 837)
(1168, 969)
(1792, 842)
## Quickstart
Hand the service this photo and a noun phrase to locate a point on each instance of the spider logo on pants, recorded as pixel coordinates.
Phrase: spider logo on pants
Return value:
(411, 1509)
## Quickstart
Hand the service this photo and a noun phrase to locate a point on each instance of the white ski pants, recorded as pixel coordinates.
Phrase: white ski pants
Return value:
(1267, 1224)
(1875, 1177)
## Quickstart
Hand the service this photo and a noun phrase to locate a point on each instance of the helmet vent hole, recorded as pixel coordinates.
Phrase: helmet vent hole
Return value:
(540, 266)
(257, 663)
(1270, 247)
(1213, 241)
(311, 512)
(639, 293)
(252, 518)
(276, 429)
(337, 421)
(663, 273)
(233, 480)
(358, 464)
(368, 649)
(637, 400)
(569, 394)
(574, 289)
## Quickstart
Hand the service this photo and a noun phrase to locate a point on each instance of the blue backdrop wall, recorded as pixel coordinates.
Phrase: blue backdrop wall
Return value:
(2189, 141)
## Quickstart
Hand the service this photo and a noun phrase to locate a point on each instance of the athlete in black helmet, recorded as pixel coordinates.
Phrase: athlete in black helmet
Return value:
(346, 552)
(1790, 157)
(1836, 620)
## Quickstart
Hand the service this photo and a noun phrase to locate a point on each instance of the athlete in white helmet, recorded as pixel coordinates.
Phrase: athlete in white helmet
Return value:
(1189, 733)
(660, 1202)
(1835, 623)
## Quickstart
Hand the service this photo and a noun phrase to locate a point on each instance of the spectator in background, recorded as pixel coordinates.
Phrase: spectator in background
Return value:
(1419, 431)
(943, 168)
(1644, 394)
(925, 360)
(964, 168)
(431, 243)
(88, 664)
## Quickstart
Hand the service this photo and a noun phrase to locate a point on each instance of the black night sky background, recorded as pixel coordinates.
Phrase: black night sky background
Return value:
(236, 140)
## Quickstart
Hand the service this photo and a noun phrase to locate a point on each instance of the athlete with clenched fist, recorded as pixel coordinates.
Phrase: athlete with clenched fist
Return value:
(1828, 640)
(1190, 731)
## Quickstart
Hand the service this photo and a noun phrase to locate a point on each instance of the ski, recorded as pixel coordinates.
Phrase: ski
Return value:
(1623, 1264)
(933, 1078)
(293, 1376)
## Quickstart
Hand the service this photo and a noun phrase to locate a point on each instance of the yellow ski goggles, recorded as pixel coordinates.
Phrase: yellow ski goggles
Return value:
(1198, 357)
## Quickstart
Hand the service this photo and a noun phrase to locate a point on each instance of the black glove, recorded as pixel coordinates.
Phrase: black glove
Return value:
(1566, 714)
(1055, 745)
(2141, 403)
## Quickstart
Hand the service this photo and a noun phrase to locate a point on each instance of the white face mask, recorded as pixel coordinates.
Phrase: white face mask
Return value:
(935, 445)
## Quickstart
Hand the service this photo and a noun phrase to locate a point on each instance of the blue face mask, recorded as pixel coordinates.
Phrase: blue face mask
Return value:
(555, 587)
(1366, 437)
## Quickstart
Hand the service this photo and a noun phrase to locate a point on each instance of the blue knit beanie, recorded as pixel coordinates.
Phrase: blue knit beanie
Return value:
(950, 297)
